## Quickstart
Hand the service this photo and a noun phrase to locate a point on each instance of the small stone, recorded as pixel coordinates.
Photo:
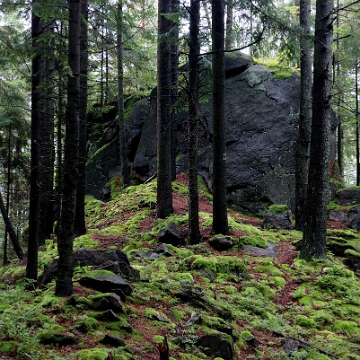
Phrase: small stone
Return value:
(113, 340)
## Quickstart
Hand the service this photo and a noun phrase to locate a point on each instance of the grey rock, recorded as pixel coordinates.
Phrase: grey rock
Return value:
(216, 346)
(170, 235)
(277, 221)
(114, 260)
(253, 250)
(348, 197)
(221, 243)
(107, 315)
(290, 346)
(353, 218)
(112, 340)
(195, 318)
(107, 283)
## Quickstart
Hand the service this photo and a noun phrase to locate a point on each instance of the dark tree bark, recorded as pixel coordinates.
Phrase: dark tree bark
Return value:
(174, 64)
(64, 286)
(122, 130)
(79, 226)
(194, 50)
(164, 190)
(36, 115)
(10, 230)
(357, 135)
(220, 221)
(47, 142)
(314, 236)
(7, 194)
(303, 141)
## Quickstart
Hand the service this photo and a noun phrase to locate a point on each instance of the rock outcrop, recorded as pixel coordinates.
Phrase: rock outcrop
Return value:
(262, 123)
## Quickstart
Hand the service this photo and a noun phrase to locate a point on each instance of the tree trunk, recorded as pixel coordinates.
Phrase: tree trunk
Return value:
(220, 221)
(64, 286)
(194, 49)
(79, 226)
(357, 143)
(303, 141)
(314, 236)
(174, 65)
(47, 143)
(122, 129)
(164, 190)
(10, 230)
(36, 115)
(7, 194)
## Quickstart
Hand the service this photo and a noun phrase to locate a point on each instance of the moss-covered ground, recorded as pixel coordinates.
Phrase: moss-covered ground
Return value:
(258, 302)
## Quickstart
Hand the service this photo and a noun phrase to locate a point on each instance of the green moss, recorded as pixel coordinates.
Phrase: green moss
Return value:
(345, 326)
(305, 321)
(8, 346)
(255, 240)
(278, 208)
(178, 314)
(268, 269)
(50, 301)
(92, 354)
(278, 281)
(246, 335)
(280, 70)
(217, 265)
(87, 323)
(184, 278)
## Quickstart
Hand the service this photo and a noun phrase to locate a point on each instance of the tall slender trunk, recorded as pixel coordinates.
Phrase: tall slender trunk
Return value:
(303, 141)
(220, 221)
(122, 128)
(64, 286)
(7, 195)
(174, 64)
(339, 127)
(10, 229)
(164, 186)
(80, 226)
(47, 143)
(357, 123)
(35, 193)
(314, 235)
(194, 49)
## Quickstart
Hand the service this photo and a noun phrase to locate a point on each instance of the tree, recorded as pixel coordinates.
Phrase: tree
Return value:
(35, 190)
(303, 141)
(79, 225)
(10, 230)
(193, 95)
(64, 286)
(314, 236)
(220, 221)
(122, 129)
(164, 190)
(174, 79)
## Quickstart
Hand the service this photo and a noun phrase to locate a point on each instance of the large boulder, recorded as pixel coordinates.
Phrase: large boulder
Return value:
(262, 114)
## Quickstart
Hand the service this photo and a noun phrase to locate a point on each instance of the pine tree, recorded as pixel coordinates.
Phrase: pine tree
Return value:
(220, 221)
(314, 236)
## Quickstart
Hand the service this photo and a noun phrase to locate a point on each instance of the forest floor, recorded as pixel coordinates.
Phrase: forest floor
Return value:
(316, 305)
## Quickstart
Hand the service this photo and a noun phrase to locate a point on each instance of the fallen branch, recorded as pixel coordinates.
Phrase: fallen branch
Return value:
(305, 343)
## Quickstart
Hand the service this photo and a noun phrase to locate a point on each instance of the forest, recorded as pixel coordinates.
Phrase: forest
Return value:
(65, 64)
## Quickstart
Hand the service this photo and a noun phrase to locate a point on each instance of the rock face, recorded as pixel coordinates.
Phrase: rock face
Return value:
(262, 123)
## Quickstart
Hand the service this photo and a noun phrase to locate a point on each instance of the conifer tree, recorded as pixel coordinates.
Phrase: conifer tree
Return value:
(220, 221)
(314, 237)
(164, 190)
